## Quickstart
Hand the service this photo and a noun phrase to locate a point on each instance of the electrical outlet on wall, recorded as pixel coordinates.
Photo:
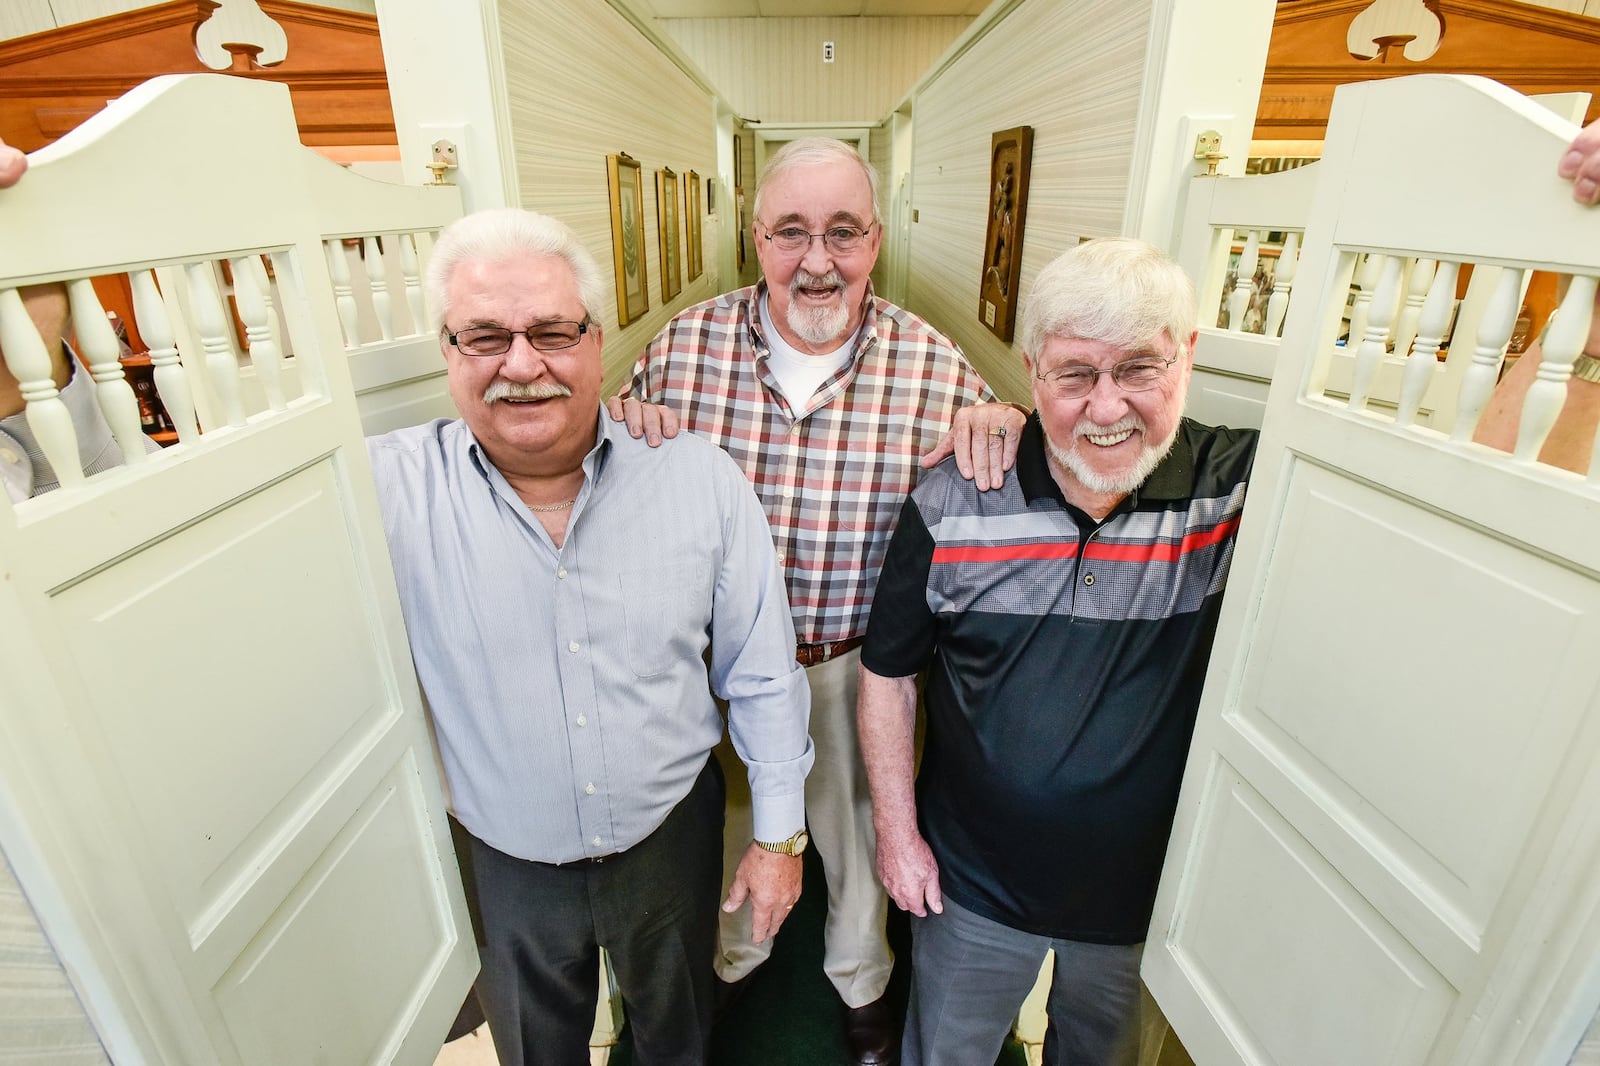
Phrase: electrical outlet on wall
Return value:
(827, 51)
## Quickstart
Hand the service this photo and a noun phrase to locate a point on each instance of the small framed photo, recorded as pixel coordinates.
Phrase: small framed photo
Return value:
(692, 223)
(626, 182)
(667, 230)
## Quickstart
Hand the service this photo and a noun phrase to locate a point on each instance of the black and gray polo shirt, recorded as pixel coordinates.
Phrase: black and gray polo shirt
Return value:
(1065, 662)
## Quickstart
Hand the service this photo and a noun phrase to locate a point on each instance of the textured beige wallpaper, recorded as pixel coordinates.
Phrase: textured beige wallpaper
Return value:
(1072, 72)
(771, 70)
(41, 1021)
(583, 83)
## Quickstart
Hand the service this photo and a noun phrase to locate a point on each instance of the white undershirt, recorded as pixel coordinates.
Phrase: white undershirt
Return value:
(799, 374)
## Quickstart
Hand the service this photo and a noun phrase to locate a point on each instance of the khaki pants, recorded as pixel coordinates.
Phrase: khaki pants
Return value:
(856, 953)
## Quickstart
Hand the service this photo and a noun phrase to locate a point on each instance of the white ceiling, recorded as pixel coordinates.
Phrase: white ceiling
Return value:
(705, 9)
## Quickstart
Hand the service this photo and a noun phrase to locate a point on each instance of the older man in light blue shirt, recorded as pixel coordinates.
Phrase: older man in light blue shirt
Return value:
(574, 597)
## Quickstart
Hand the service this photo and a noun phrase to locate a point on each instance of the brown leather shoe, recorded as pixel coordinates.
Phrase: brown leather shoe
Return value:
(872, 1035)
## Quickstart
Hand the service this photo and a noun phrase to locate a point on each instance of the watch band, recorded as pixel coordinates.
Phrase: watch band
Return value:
(792, 846)
(1587, 368)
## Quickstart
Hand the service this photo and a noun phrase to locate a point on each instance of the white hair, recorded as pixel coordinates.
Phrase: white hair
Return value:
(1116, 290)
(500, 233)
(814, 152)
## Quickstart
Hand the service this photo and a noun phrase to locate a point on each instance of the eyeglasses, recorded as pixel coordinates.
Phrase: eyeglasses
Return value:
(494, 340)
(837, 239)
(1140, 374)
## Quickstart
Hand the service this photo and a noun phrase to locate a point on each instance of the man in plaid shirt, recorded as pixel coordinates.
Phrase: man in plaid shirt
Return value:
(826, 396)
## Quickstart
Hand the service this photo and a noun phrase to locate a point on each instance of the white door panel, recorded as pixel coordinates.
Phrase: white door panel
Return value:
(216, 782)
(1394, 786)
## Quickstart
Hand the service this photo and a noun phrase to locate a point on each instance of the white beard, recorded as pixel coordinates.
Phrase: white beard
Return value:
(1077, 464)
(817, 325)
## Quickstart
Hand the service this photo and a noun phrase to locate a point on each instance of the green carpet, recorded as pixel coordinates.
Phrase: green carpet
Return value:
(789, 1015)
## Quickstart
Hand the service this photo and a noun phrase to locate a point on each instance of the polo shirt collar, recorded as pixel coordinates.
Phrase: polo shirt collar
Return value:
(1172, 479)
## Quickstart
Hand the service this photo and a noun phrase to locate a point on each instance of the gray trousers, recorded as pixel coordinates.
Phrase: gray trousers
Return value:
(856, 954)
(969, 976)
(653, 907)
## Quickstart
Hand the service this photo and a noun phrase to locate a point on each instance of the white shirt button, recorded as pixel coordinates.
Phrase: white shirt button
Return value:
(788, 493)
(588, 790)
(583, 719)
(781, 557)
(573, 646)
(597, 842)
(562, 573)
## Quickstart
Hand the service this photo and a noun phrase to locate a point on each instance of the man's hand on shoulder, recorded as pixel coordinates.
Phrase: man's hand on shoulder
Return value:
(771, 882)
(984, 440)
(649, 420)
(1580, 164)
(12, 165)
(909, 872)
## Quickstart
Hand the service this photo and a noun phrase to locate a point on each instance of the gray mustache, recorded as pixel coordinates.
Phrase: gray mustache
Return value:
(513, 390)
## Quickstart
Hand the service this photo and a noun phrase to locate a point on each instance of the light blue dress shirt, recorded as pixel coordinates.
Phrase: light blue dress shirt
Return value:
(571, 688)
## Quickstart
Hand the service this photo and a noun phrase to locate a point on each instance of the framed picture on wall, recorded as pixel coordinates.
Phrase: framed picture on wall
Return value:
(667, 230)
(626, 182)
(692, 222)
(1010, 157)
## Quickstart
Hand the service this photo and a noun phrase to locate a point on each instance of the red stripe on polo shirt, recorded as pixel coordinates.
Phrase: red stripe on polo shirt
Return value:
(1162, 553)
(1000, 553)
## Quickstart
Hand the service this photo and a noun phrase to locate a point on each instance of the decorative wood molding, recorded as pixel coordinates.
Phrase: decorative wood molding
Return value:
(49, 82)
(1532, 49)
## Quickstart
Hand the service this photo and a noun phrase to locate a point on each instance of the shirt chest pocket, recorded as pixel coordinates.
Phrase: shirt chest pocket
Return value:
(666, 609)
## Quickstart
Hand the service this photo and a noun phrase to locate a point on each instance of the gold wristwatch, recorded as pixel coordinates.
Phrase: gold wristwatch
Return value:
(1587, 368)
(793, 846)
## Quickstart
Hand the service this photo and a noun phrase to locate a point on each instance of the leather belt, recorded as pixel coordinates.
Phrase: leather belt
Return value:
(812, 654)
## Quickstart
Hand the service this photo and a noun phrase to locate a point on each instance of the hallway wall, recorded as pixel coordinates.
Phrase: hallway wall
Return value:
(582, 82)
(1072, 72)
(771, 70)
(41, 1021)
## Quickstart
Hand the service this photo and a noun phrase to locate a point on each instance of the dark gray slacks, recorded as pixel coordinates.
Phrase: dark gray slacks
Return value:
(970, 974)
(653, 907)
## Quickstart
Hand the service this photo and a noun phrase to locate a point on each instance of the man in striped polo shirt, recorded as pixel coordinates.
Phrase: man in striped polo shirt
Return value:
(1065, 621)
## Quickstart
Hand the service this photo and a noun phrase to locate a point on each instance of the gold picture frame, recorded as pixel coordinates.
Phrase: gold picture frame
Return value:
(667, 233)
(1010, 159)
(626, 182)
(692, 224)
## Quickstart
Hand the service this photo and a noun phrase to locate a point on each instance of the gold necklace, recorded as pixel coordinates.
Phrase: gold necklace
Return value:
(552, 506)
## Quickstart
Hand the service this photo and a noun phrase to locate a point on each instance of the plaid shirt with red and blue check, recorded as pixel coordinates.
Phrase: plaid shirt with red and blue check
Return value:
(832, 477)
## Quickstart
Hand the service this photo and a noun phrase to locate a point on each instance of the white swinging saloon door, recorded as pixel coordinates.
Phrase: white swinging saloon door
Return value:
(1386, 846)
(217, 787)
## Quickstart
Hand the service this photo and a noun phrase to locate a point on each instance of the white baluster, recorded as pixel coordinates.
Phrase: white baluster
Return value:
(1417, 279)
(1494, 330)
(413, 275)
(172, 378)
(222, 366)
(343, 296)
(97, 341)
(29, 362)
(1243, 281)
(1375, 343)
(1423, 362)
(250, 297)
(1282, 283)
(1366, 277)
(379, 282)
(1547, 394)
